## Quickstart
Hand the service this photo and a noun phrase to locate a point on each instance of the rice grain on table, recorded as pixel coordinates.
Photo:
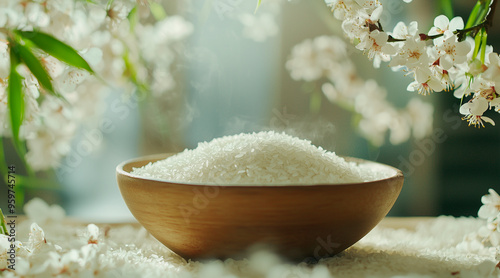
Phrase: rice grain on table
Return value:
(264, 158)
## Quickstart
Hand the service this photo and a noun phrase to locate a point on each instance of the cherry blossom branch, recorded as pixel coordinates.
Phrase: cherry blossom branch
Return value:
(487, 23)
(461, 34)
(444, 65)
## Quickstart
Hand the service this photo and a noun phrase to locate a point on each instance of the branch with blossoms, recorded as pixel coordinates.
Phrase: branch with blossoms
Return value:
(324, 59)
(24, 63)
(461, 33)
(59, 60)
(458, 59)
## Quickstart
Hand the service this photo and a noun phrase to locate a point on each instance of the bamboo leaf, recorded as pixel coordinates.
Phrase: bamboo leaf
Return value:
(15, 98)
(3, 162)
(35, 66)
(315, 102)
(56, 48)
(447, 8)
(473, 15)
(477, 44)
(258, 5)
(3, 225)
(133, 18)
(131, 72)
(484, 10)
(483, 45)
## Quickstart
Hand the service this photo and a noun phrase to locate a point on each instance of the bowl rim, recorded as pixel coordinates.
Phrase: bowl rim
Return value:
(120, 171)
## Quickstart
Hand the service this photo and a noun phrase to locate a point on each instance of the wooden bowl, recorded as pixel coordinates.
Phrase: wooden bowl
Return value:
(298, 221)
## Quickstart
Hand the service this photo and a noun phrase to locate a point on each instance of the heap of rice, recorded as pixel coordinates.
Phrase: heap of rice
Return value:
(264, 158)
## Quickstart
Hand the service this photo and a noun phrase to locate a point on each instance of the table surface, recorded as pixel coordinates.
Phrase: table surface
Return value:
(397, 247)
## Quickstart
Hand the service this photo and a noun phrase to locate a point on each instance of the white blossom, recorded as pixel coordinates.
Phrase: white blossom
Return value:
(117, 13)
(39, 211)
(341, 8)
(312, 59)
(36, 238)
(425, 82)
(172, 29)
(451, 51)
(49, 140)
(104, 38)
(402, 31)
(4, 247)
(92, 234)
(376, 47)
(493, 71)
(445, 64)
(326, 57)
(490, 211)
(420, 114)
(412, 54)
(473, 111)
(442, 24)
(53, 66)
(484, 88)
(4, 59)
(258, 27)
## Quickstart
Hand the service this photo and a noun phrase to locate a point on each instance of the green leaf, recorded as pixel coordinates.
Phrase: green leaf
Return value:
(3, 161)
(56, 48)
(157, 10)
(477, 44)
(133, 18)
(485, 9)
(35, 66)
(131, 72)
(3, 224)
(315, 102)
(447, 8)
(258, 5)
(473, 15)
(483, 44)
(15, 98)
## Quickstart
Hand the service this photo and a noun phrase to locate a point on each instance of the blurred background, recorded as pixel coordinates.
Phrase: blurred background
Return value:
(231, 78)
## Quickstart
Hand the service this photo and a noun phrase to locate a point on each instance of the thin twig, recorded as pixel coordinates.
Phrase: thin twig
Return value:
(462, 33)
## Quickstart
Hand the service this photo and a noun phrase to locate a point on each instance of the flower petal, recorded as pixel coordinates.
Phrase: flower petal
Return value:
(488, 120)
(478, 106)
(486, 212)
(377, 13)
(436, 85)
(441, 22)
(465, 108)
(456, 23)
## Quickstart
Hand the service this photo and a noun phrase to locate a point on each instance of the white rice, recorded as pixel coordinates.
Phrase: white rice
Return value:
(264, 158)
